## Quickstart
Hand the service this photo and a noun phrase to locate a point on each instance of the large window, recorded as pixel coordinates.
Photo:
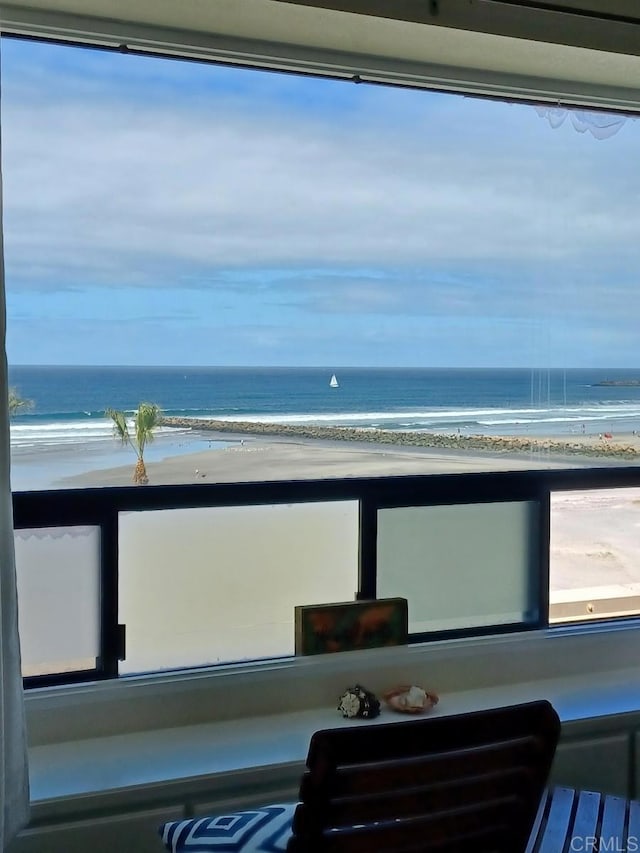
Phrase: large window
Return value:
(310, 280)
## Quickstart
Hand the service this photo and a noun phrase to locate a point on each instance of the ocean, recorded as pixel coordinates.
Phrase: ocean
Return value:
(69, 404)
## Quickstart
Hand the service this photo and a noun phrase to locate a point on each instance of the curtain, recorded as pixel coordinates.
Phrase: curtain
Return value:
(14, 781)
(601, 125)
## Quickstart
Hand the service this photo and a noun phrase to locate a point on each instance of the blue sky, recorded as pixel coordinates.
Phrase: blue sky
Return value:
(161, 212)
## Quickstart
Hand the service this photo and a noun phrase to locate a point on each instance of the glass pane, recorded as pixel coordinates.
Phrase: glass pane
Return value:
(58, 571)
(205, 586)
(594, 571)
(461, 566)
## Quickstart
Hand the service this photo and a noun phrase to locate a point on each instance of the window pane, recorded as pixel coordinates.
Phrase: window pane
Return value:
(58, 572)
(206, 586)
(594, 570)
(463, 566)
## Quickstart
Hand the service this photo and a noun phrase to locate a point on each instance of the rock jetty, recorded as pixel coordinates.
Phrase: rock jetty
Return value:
(493, 444)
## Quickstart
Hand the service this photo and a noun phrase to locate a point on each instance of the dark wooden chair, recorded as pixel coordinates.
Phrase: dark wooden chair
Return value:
(470, 782)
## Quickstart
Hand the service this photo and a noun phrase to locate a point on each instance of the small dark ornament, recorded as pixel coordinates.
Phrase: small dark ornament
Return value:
(358, 702)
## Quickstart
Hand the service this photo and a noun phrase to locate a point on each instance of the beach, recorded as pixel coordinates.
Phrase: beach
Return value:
(246, 458)
(258, 452)
(289, 423)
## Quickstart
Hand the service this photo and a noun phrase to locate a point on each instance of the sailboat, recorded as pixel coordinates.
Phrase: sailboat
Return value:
(334, 382)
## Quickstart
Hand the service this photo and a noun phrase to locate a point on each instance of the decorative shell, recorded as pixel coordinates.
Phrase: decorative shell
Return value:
(356, 701)
(409, 699)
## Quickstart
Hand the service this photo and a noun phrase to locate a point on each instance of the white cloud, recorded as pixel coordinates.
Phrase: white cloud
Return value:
(141, 193)
(368, 222)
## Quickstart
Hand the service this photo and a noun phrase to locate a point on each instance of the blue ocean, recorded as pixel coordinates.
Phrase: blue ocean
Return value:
(69, 402)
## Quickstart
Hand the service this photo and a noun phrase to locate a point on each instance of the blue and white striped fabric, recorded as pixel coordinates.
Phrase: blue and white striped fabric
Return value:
(260, 830)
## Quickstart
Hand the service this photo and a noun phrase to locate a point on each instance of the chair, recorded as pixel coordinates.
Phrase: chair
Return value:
(466, 782)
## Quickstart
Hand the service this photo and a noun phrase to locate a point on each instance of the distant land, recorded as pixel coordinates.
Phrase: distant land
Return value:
(619, 383)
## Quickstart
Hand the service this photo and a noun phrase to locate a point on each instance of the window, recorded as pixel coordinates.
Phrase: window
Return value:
(345, 282)
(59, 594)
(206, 586)
(594, 554)
(460, 566)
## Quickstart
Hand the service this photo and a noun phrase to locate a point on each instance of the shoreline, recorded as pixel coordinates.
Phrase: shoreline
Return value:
(213, 451)
(582, 445)
(275, 457)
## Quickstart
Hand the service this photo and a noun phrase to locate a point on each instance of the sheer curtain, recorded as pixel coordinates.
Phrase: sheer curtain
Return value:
(601, 125)
(14, 782)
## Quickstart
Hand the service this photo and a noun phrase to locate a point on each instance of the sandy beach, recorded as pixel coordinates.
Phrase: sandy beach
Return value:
(249, 459)
(259, 460)
(289, 454)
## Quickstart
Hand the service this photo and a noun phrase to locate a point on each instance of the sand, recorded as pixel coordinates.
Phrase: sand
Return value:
(257, 459)
(266, 452)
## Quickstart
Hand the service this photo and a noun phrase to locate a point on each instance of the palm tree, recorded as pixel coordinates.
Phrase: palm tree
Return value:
(17, 403)
(145, 420)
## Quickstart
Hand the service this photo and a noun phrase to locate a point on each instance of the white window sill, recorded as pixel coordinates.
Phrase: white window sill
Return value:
(120, 768)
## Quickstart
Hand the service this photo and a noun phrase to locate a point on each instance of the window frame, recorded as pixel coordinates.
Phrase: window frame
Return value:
(378, 61)
(101, 506)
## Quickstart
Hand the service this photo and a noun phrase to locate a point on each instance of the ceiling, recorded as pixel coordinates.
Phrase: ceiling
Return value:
(586, 52)
(610, 25)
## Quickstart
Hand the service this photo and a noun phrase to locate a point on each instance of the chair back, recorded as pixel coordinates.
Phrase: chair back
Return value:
(469, 782)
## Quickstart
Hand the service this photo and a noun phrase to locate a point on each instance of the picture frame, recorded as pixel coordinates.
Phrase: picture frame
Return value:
(351, 625)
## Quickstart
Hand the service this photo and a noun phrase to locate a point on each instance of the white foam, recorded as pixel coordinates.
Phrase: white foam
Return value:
(35, 433)
(367, 417)
(64, 433)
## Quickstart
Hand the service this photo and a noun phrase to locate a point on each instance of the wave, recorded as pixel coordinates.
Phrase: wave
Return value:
(434, 417)
(29, 431)
(65, 414)
(70, 426)
(555, 420)
(65, 432)
(365, 417)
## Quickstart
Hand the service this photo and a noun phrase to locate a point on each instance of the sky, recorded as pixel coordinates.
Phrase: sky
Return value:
(159, 212)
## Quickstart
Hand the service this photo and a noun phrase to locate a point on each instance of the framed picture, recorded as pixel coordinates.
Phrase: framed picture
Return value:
(350, 625)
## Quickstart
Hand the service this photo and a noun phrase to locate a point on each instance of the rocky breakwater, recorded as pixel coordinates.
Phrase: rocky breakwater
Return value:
(493, 444)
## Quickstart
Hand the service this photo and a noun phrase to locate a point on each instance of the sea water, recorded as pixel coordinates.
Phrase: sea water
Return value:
(68, 414)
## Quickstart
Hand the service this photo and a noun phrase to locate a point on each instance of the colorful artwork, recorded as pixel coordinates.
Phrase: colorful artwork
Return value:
(322, 628)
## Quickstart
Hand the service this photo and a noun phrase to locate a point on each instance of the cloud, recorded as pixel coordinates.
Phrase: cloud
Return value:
(108, 188)
(276, 212)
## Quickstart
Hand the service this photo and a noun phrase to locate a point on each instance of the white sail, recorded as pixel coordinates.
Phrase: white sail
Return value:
(334, 382)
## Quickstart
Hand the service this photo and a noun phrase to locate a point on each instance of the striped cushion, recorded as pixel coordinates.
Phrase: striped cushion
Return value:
(261, 830)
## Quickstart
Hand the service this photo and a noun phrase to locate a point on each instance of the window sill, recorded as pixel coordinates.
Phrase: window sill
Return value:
(187, 758)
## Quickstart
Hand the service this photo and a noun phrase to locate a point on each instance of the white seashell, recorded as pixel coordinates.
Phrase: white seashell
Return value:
(410, 699)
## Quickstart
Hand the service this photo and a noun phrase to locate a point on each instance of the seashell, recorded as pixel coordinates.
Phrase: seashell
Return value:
(357, 701)
(410, 699)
